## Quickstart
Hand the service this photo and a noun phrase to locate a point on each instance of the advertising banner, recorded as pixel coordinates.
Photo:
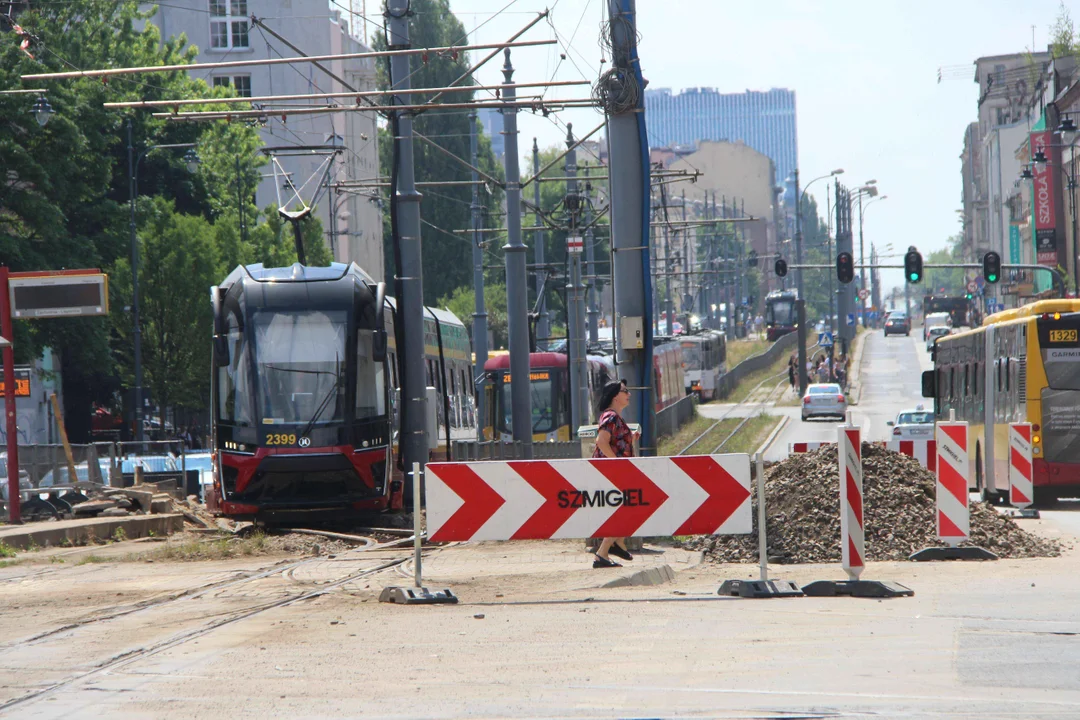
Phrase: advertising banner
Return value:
(1043, 202)
(1014, 244)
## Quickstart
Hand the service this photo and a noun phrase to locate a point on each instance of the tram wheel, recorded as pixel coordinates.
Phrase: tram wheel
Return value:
(36, 510)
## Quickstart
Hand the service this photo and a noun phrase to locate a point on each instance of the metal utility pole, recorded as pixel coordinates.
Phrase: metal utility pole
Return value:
(687, 298)
(803, 379)
(862, 262)
(479, 310)
(667, 265)
(517, 301)
(543, 329)
(623, 91)
(137, 393)
(575, 295)
(845, 295)
(593, 283)
(409, 284)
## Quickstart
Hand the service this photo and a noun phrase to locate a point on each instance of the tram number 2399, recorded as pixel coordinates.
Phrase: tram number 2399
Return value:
(281, 438)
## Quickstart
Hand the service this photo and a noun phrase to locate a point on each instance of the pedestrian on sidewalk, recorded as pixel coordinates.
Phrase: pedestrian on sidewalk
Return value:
(613, 440)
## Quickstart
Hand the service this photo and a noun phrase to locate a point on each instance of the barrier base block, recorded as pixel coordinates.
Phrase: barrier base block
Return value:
(857, 588)
(759, 589)
(1028, 513)
(417, 596)
(953, 553)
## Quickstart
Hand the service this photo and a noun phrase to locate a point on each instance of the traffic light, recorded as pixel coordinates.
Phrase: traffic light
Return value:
(845, 267)
(992, 267)
(780, 267)
(913, 266)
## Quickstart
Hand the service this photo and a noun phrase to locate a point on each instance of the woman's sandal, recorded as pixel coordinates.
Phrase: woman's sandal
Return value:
(620, 553)
(600, 562)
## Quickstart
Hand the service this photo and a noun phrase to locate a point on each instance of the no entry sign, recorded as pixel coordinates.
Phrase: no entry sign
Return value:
(617, 497)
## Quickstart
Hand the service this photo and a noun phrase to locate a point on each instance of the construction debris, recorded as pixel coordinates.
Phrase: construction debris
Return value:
(803, 508)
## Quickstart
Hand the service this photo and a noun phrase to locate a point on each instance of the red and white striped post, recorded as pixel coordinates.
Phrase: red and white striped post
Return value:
(951, 489)
(953, 471)
(1021, 487)
(852, 528)
(852, 550)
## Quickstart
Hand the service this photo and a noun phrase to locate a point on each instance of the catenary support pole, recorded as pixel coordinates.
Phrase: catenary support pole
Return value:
(801, 340)
(593, 283)
(136, 392)
(684, 301)
(517, 310)
(410, 281)
(480, 346)
(667, 265)
(862, 270)
(628, 153)
(575, 294)
(543, 327)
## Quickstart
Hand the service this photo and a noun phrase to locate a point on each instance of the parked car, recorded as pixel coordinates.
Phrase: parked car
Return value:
(82, 472)
(24, 478)
(824, 400)
(917, 424)
(934, 333)
(897, 323)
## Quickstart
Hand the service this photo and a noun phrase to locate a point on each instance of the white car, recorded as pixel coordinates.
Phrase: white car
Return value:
(934, 333)
(824, 400)
(917, 424)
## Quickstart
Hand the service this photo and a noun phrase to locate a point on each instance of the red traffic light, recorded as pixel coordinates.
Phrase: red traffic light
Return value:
(845, 267)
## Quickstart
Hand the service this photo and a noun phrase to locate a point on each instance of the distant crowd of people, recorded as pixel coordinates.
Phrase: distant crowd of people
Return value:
(821, 368)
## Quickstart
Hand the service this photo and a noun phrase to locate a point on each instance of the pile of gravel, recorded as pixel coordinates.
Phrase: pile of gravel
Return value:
(803, 514)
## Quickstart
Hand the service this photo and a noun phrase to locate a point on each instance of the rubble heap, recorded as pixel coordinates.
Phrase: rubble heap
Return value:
(803, 514)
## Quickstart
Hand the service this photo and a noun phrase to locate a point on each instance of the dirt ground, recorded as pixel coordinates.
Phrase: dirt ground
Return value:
(287, 634)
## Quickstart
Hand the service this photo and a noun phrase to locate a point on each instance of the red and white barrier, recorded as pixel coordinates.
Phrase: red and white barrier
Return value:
(953, 471)
(610, 497)
(1021, 487)
(925, 451)
(805, 447)
(852, 544)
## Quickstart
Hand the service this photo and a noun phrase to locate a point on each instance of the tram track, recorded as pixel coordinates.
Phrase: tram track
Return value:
(238, 578)
(229, 618)
(744, 402)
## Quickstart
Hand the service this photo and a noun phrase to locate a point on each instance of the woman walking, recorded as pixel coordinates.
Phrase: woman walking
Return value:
(613, 440)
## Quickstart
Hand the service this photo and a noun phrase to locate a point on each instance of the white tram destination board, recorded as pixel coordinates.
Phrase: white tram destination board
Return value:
(51, 296)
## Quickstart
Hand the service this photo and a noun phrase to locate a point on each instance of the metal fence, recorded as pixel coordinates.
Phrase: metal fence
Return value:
(674, 416)
(43, 466)
(752, 364)
(472, 450)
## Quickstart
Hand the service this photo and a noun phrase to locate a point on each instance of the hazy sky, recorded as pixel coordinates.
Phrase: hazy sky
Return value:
(864, 73)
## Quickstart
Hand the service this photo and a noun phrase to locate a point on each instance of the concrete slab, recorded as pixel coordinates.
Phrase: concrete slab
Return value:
(657, 575)
(75, 532)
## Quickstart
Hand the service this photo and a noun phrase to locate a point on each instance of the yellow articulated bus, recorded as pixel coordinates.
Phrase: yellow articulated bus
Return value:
(1022, 365)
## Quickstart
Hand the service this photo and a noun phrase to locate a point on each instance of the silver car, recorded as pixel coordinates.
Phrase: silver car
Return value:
(917, 424)
(934, 333)
(824, 400)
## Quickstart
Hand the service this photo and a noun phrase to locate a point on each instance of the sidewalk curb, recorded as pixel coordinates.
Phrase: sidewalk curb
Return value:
(657, 575)
(774, 434)
(855, 386)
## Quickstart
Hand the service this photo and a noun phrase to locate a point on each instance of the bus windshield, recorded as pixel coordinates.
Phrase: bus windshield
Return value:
(299, 358)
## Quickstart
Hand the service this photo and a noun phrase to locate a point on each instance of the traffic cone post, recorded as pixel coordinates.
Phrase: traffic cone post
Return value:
(763, 587)
(951, 491)
(852, 529)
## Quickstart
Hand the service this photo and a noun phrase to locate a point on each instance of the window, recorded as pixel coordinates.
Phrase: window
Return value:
(228, 24)
(242, 83)
(370, 378)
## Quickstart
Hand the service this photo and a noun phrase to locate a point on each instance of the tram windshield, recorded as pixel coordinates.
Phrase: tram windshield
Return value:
(300, 358)
(781, 312)
(544, 403)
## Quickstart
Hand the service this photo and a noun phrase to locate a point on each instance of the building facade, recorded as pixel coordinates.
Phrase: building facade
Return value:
(223, 30)
(764, 121)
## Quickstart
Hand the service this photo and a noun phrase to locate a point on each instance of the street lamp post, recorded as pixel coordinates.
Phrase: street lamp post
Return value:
(803, 379)
(192, 161)
(861, 210)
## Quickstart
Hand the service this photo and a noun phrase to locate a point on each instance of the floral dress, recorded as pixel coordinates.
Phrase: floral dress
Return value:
(622, 440)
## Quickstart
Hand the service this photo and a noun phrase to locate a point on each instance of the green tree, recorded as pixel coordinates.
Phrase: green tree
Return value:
(1063, 39)
(179, 264)
(952, 281)
(460, 302)
(443, 209)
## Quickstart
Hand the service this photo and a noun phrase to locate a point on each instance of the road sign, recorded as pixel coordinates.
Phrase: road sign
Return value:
(574, 244)
(925, 451)
(610, 497)
(851, 319)
(972, 287)
(49, 295)
(852, 536)
(1021, 487)
(980, 282)
(953, 471)
(863, 293)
